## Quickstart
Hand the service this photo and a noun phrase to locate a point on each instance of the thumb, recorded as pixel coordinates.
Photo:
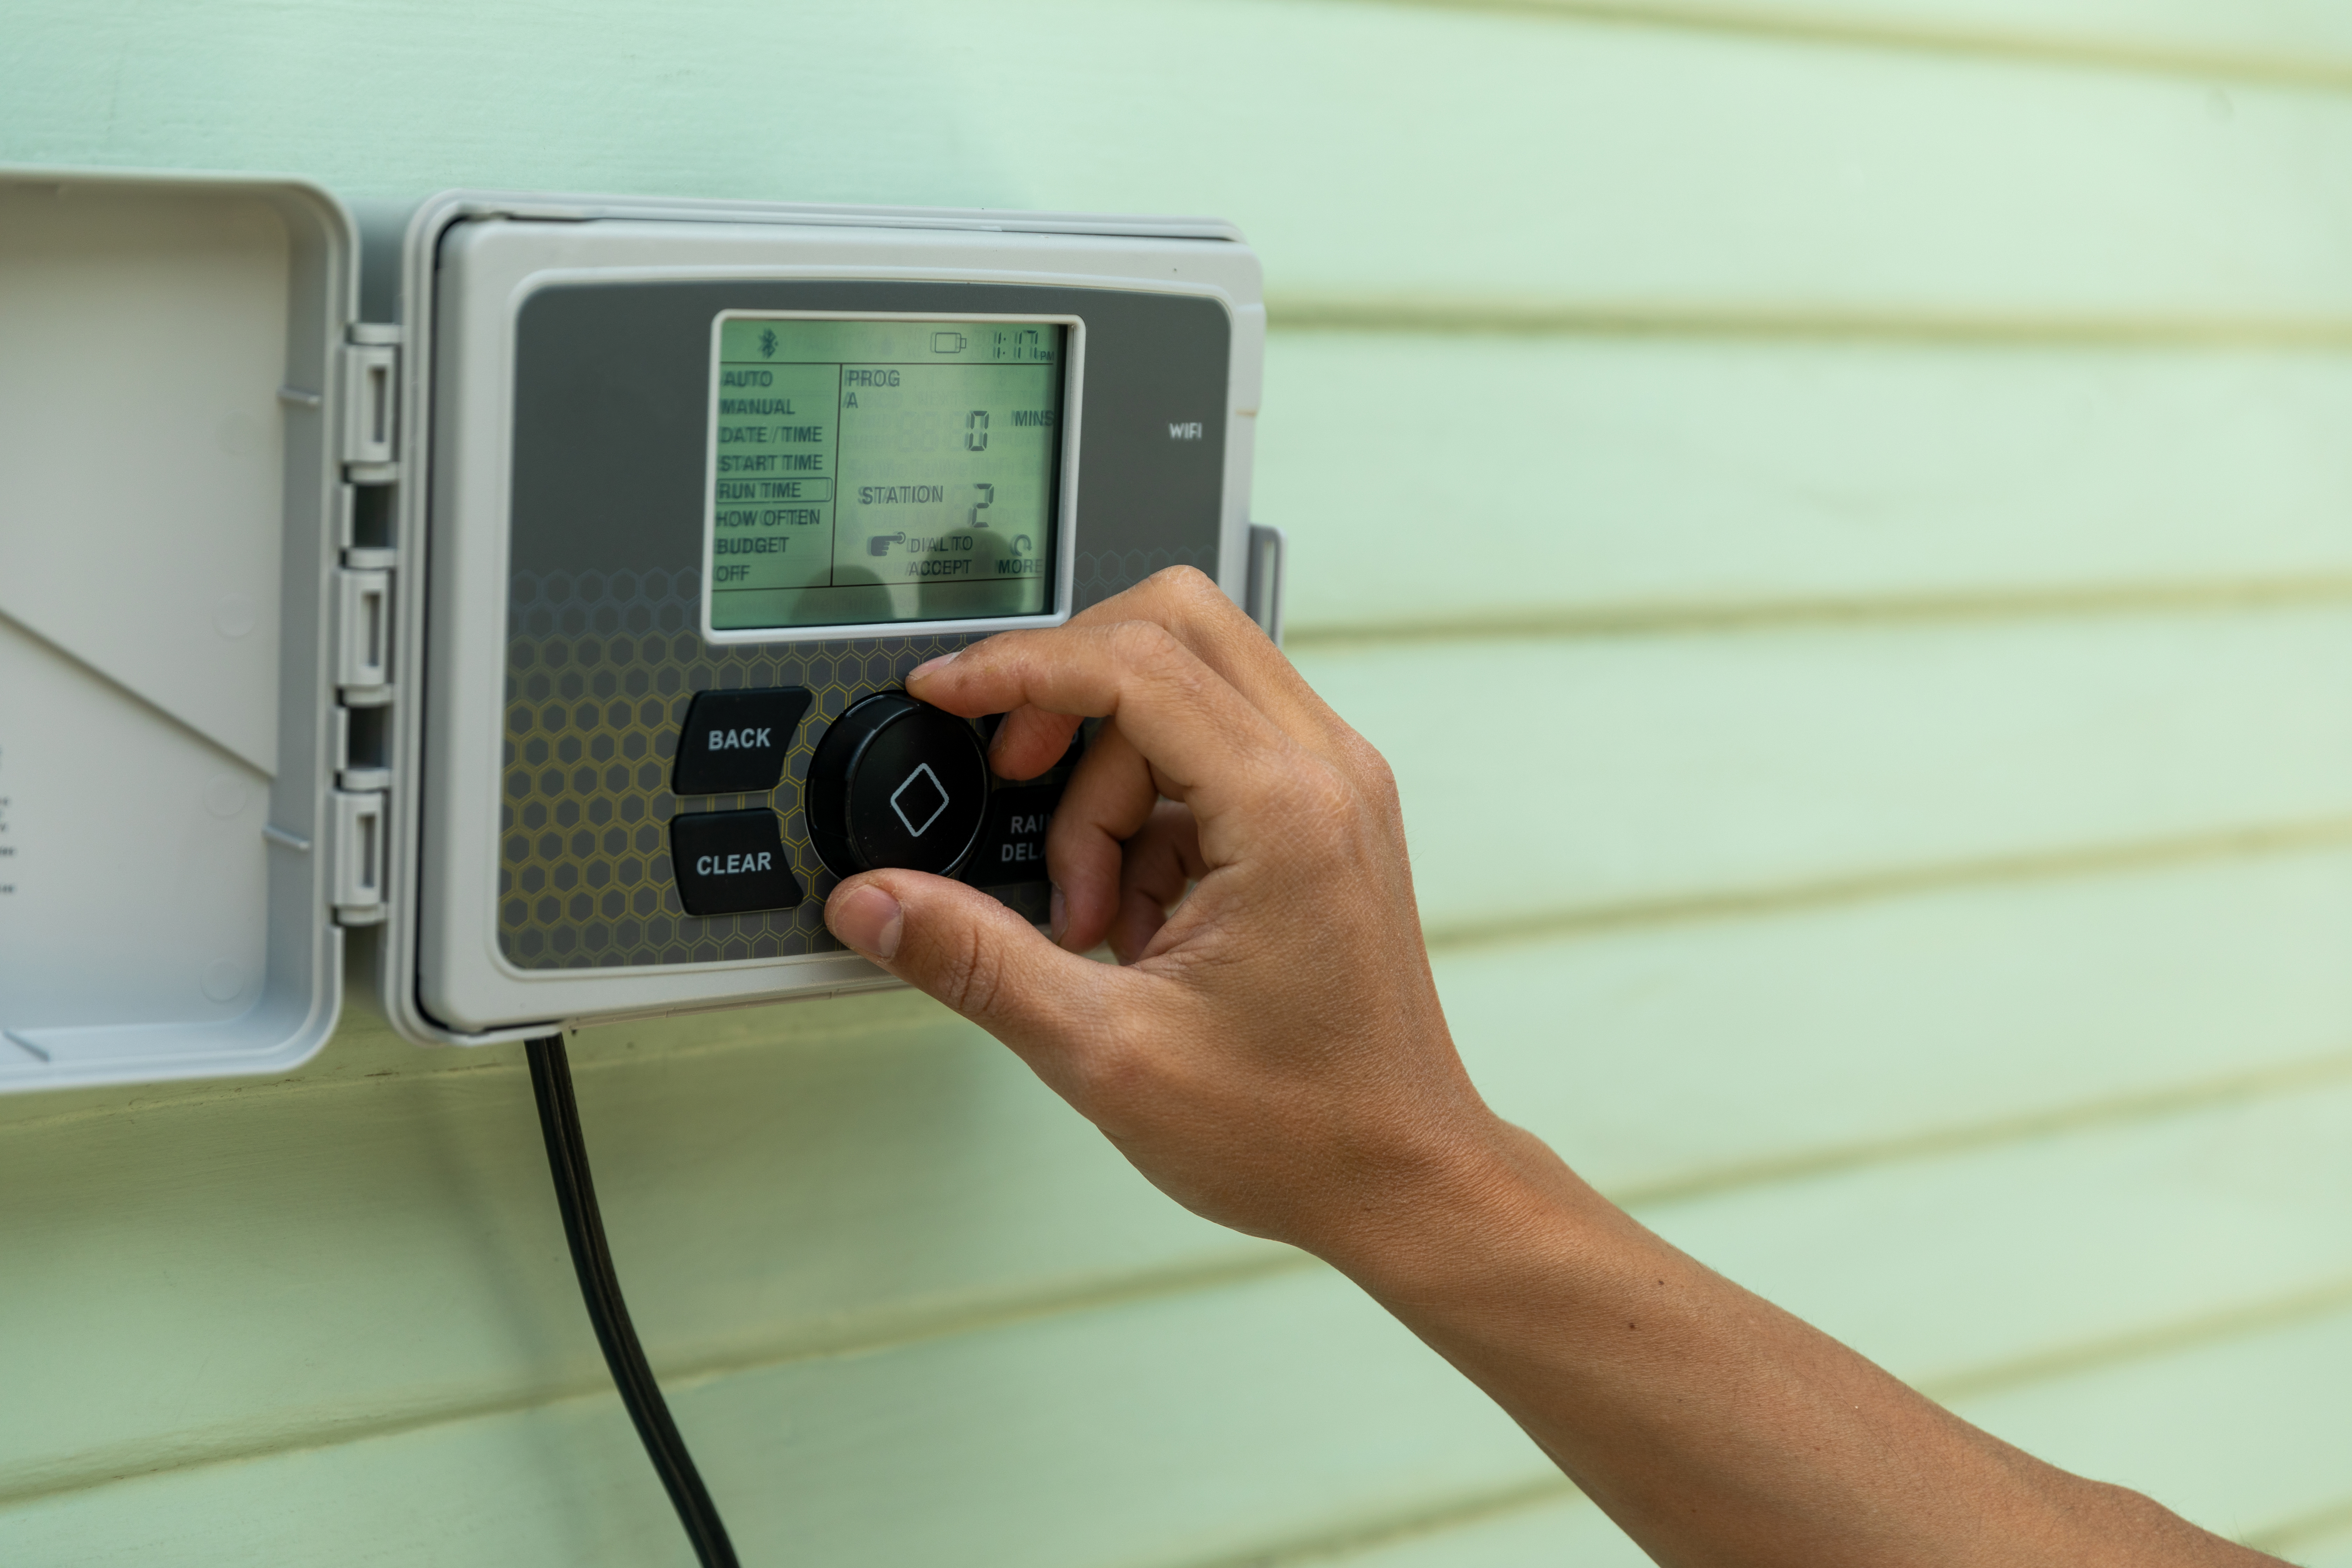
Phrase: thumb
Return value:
(966, 949)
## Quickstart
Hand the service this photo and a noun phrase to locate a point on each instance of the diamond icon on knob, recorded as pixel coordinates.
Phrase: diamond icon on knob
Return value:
(918, 795)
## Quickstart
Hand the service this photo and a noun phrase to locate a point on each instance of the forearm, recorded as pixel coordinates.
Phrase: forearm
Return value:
(1713, 1427)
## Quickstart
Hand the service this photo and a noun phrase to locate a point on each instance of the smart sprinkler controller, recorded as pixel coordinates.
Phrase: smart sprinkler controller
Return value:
(591, 565)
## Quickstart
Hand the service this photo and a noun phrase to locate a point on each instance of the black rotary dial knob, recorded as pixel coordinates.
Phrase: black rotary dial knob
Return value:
(898, 783)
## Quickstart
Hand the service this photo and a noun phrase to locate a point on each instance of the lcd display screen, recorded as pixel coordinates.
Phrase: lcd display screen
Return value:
(883, 471)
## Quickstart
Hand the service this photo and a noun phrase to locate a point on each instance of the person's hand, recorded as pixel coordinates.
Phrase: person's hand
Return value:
(1269, 1050)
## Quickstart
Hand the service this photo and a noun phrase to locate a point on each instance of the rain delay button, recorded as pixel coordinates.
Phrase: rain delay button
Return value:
(896, 783)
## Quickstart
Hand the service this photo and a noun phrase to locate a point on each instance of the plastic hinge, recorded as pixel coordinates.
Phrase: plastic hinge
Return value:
(364, 636)
(360, 856)
(372, 406)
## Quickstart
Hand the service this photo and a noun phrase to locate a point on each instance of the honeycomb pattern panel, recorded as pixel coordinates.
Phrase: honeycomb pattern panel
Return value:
(1099, 573)
(601, 666)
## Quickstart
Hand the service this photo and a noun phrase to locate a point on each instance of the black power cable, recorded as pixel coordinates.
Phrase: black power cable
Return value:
(583, 1227)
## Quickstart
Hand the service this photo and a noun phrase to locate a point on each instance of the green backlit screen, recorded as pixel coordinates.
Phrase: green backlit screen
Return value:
(883, 471)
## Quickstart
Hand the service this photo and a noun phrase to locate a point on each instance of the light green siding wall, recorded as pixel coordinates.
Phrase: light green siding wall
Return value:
(1880, 769)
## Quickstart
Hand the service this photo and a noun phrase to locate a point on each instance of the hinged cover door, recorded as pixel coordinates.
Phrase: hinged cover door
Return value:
(171, 404)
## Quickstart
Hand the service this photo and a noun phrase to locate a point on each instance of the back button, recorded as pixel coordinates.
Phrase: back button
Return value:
(735, 742)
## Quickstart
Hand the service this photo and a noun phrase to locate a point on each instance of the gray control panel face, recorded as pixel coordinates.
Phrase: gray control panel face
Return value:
(605, 596)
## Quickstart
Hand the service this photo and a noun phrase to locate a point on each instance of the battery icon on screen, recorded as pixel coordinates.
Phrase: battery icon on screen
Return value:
(946, 342)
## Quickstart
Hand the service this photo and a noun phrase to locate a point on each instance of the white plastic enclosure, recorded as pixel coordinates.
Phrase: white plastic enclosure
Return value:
(167, 355)
(254, 607)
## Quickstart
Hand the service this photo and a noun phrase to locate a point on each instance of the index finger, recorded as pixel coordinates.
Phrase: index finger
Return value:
(1207, 744)
(1196, 613)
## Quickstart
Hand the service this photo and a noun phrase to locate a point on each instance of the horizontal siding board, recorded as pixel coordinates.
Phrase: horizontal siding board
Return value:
(1269, 1412)
(1563, 1532)
(2294, 39)
(2241, 1436)
(2245, 1436)
(1166, 1432)
(1660, 1058)
(850, 1174)
(1435, 480)
(1958, 1272)
(1543, 776)
(1541, 158)
(207, 1275)
(2327, 1545)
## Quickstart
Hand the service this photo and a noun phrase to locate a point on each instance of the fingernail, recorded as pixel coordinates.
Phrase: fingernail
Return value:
(1059, 919)
(868, 919)
(929, 665)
